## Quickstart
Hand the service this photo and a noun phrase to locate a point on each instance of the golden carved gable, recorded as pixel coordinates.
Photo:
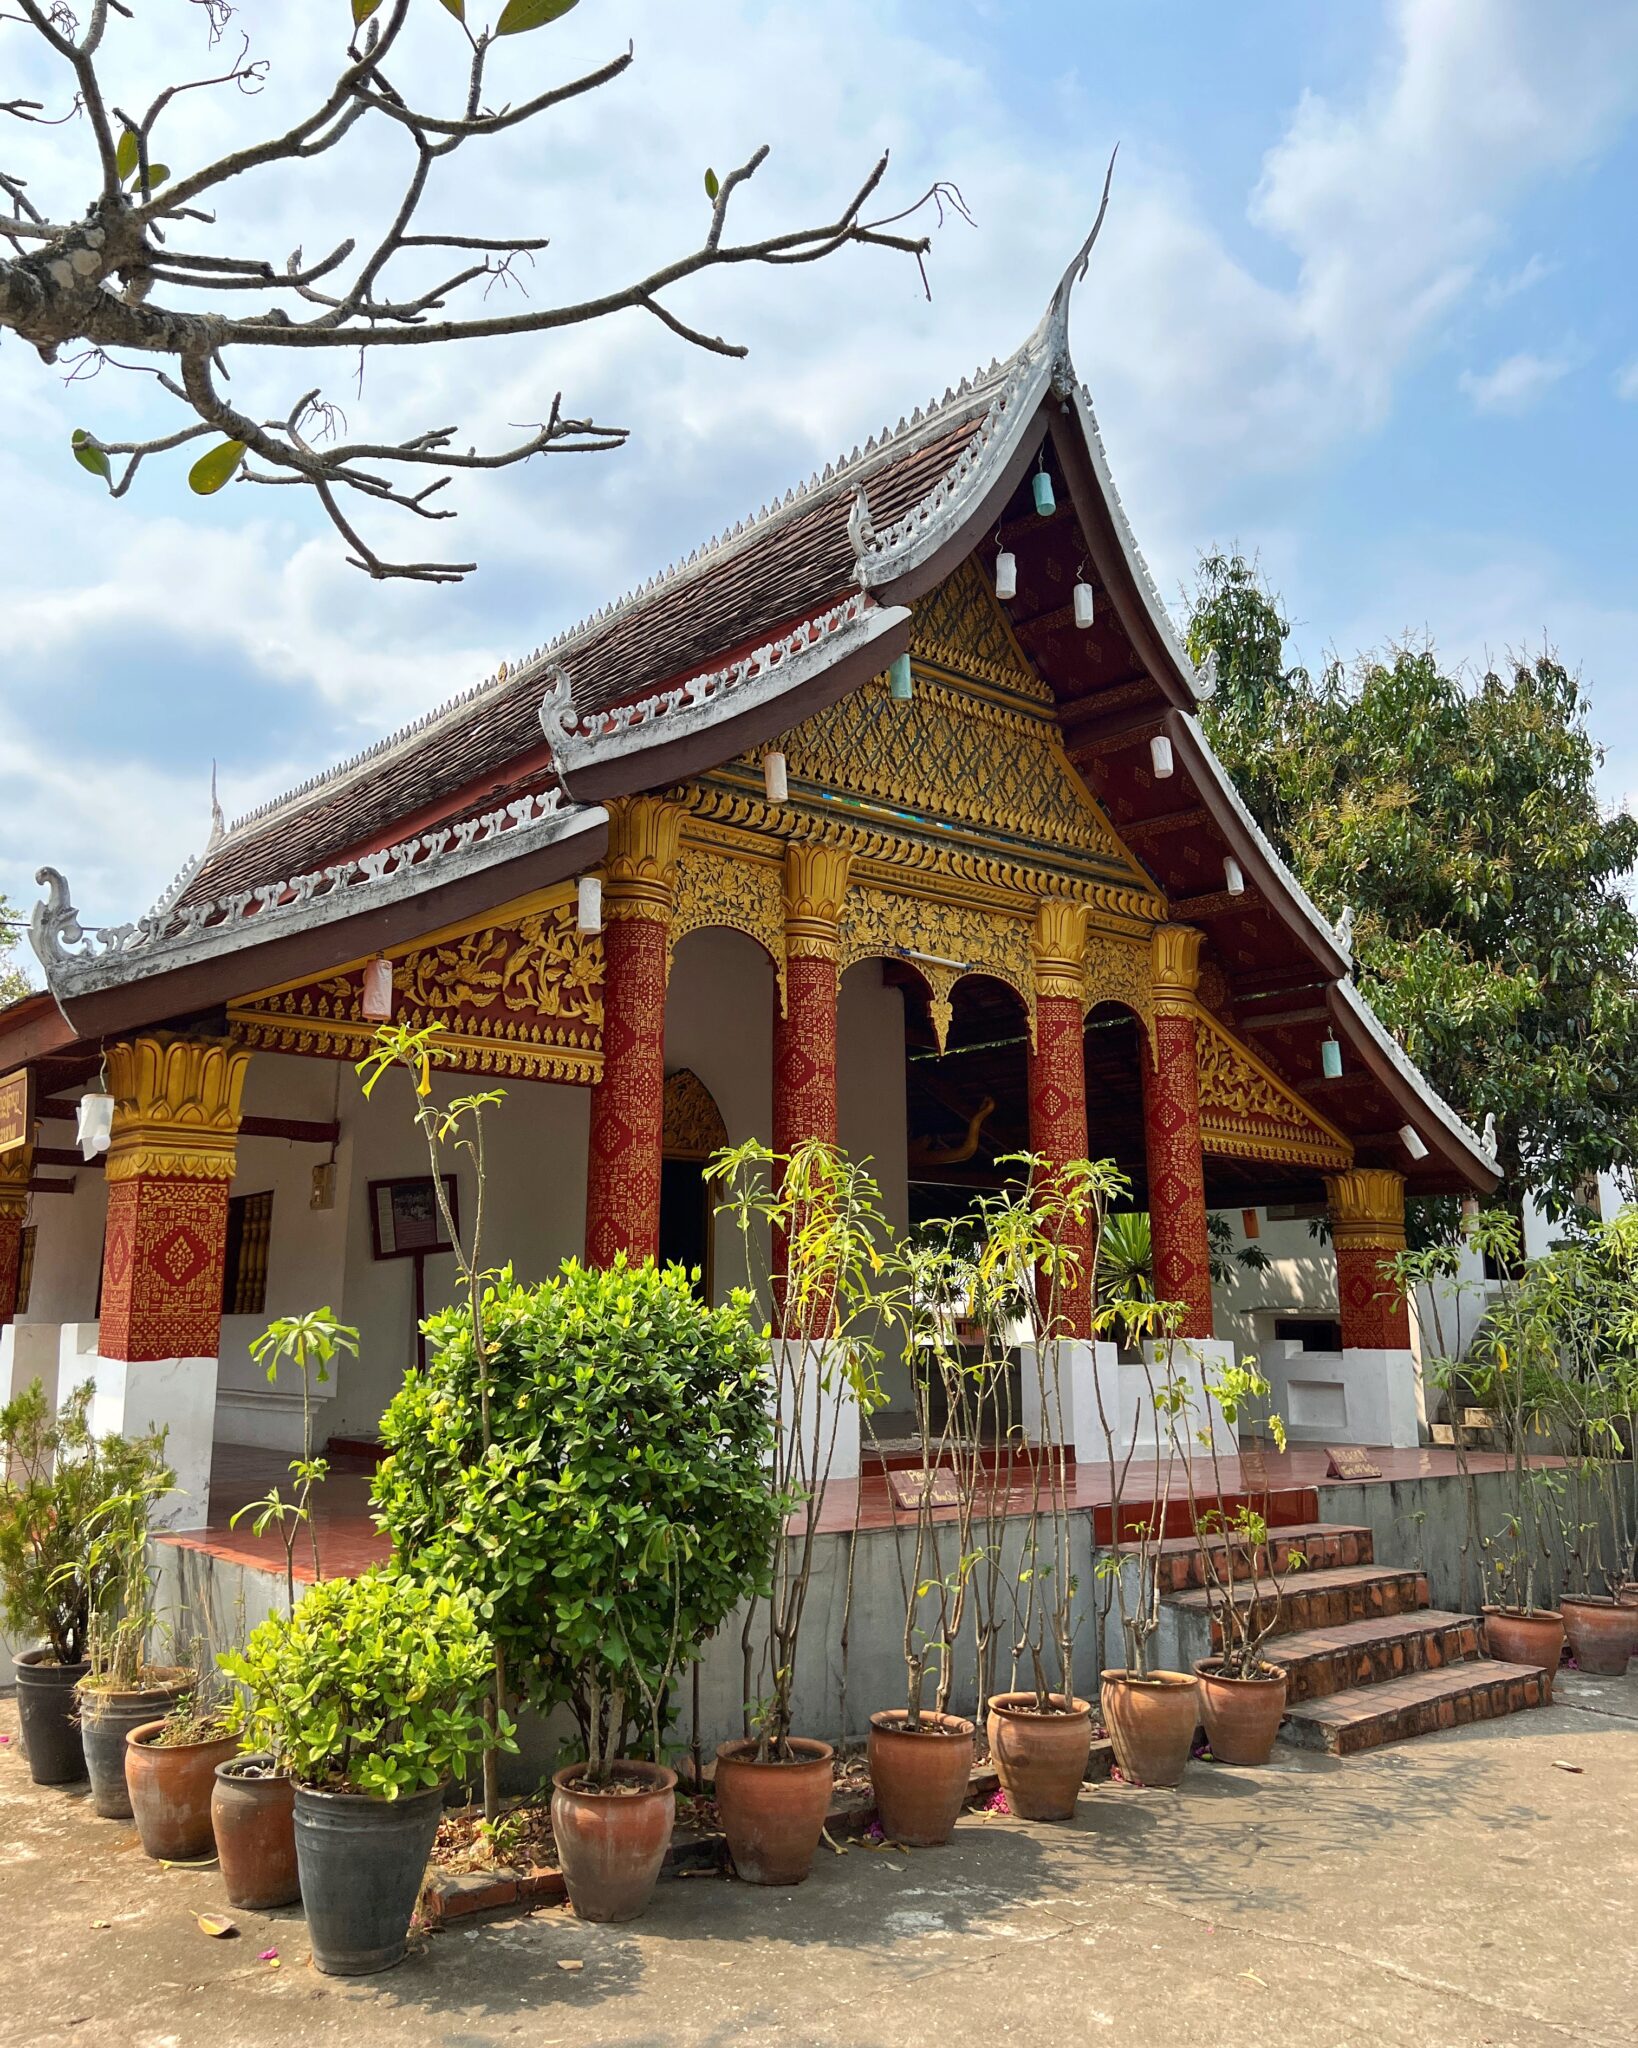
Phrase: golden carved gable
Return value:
(959, 938)
(960, 626)
(1248, 1112)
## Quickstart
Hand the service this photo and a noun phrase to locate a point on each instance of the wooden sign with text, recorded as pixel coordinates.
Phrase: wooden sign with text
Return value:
(16, 1110)
(1253, 1468)
(938, 1485)
(1350, 1461)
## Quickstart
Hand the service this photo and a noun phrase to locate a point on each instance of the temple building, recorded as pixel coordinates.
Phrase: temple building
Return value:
(907, 835)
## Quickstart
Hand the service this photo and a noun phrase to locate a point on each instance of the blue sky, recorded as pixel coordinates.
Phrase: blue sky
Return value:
(1364, 305)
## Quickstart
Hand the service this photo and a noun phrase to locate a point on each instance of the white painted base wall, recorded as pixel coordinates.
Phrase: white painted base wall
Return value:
(177, 1395)
(1346, 1397)
(28, 1352)
(819, 1404)
(1060, 1404)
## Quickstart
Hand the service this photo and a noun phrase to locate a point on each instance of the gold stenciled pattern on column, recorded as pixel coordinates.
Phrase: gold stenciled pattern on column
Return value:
(1367, 1208)
(1247, 1112)
(176, 1107)
(816, 879)
(877, 925)
(1058, 948)
(640, 868)
(714, 889)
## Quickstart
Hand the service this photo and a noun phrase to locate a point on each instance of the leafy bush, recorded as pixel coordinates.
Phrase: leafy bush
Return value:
(372, 1685)
(622, 1509)
(73, 1511)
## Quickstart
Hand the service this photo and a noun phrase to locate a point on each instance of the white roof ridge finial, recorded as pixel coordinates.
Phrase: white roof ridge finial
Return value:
(1053, 333)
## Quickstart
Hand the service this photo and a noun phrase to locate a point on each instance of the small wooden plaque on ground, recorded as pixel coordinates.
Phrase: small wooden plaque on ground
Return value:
(1350, 1461)
(1253, 1468)
(937, 1483)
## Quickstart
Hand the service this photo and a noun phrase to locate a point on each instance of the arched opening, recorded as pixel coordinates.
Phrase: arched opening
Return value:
(694, 1130)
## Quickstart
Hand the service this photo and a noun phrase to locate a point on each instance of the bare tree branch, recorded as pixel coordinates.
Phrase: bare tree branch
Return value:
(93, 285)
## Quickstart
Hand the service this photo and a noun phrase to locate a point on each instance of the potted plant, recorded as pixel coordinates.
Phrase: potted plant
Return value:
(812, 1225)
(620, 1513)
(171, 1764)
(921, 1755)
(370, 1694)
(1038, 1252)
(1151, 1715)
(1242, 1693)
(252, 1801)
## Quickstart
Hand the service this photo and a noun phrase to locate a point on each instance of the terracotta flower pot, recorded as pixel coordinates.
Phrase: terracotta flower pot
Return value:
(1040, 1758)
(1151, 1721)
(1602, 1633)
(170, 1791)
(106, 1718)
(1626, 1595)
(1518, 1638)
(611, 1840)
(920, 1775)
(773, 1814)
(1242, 1715)
(253, 1816)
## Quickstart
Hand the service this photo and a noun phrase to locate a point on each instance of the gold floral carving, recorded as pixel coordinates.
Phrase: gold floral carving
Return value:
(640, 867)
(1248, 1112)
(943, 942)
(176, 1107)
(960, 626)
(1118, 971)
(816, 878)
(542, 966)
(15, 1168)
(1059, 948)
(694, 1128)
(714, 889)
(1367, 1209)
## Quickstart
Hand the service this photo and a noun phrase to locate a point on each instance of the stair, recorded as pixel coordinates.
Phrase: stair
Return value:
(1369, 1661)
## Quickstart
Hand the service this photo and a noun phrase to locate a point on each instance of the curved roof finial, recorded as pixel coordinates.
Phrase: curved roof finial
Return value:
(1053, 332)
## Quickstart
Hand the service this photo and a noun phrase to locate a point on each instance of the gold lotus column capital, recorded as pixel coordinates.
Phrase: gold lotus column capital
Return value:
(640, 867)
(176, 1106)
(1175, 962)
(816, 879)
(1367, 1205)
(15, 1168)
(1058, 948)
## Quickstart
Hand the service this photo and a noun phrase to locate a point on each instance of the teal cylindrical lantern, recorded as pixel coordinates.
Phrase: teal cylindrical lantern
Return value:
(1045, 503)
(898, 679)
(1330, 1059)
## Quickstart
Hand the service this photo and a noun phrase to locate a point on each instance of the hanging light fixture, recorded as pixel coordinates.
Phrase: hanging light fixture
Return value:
(1083, 604)
(1041, 483)
(775, 782)
(588, 908)
(1411, 1138)
(378, 990)
(1160, 755)
(1331, 1057)
(1234, 876)
(899, 682)
(94, 1125)
(1006, 576)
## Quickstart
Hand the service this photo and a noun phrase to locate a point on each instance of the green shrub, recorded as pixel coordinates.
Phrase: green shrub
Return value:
(373, 1685)
(623, 1508)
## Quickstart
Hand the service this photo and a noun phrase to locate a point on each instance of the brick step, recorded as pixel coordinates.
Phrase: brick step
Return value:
(1321, 1599)
(1323, 1544)
(1367, 1716)
(1322, 1661)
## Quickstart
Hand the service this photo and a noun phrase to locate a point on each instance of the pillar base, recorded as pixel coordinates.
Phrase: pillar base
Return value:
(1356, 1396)
(1126, 1384)
(1068, 1414)
(178, 1395)
(820, 1408)
(28, 1352)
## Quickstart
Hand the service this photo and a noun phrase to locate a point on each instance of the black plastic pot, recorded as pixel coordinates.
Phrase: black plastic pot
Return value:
(106, 1718)
(47, 1713)
(361, 1861)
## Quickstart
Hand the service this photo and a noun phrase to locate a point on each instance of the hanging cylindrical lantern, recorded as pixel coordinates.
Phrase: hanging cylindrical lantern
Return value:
(1470, 1212)
(588, 909)
(775, 783)
(1045, 503)
(1331, 1058)
(899, 681)
(378, 990)
(1083, 605)
(1006, 576)
(1160, 755)
(1411, 1138)
(94, 1124)
(1234, 876)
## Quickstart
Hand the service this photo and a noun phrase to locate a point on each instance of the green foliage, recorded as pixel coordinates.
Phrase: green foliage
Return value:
(90, 454)
(216, 467)
(372, 1685)
(1126, 1255)
(308, 1343)
(68, 1501)
(13, 982)
(622, 1509)
(1494, 933)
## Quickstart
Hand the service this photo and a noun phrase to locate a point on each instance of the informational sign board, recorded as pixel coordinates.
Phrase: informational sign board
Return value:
(16, 1110)
(1350, 1461)
(405, 1218)
(937, 1483)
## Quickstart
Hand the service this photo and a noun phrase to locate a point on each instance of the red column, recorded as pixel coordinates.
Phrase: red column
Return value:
(1057, 1088)
(176, 1118)
(1171, 1134)
(14, 1172)
(628, 1102)
(1367, 1228)
(804, 1030)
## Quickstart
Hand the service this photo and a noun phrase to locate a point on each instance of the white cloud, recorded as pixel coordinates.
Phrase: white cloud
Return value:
(1516, 383)
(1533, 271)
(1626, 382)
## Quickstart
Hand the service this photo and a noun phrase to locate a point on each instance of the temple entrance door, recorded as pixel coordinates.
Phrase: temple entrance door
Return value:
(694, 1129)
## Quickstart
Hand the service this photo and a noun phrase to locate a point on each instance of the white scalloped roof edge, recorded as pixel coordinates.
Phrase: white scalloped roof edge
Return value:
(1407, 1067)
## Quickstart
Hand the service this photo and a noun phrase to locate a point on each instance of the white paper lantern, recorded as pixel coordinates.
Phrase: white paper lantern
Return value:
(775, 782)
(1006, 576)
(94, 1124)
(1083, 605)
(378, 991)
(1234, 876)
(1411, 1138)
(589, 904)
(1160, 755)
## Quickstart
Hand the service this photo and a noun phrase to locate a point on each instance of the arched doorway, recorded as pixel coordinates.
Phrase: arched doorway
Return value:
(694, 1129)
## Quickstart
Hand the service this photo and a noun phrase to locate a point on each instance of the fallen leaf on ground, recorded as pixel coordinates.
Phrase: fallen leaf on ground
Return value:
(1573, 1769)
(99, 1923)
(217, 1925)
(839, 1847)
(570, 1963)
(1252, 1974)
